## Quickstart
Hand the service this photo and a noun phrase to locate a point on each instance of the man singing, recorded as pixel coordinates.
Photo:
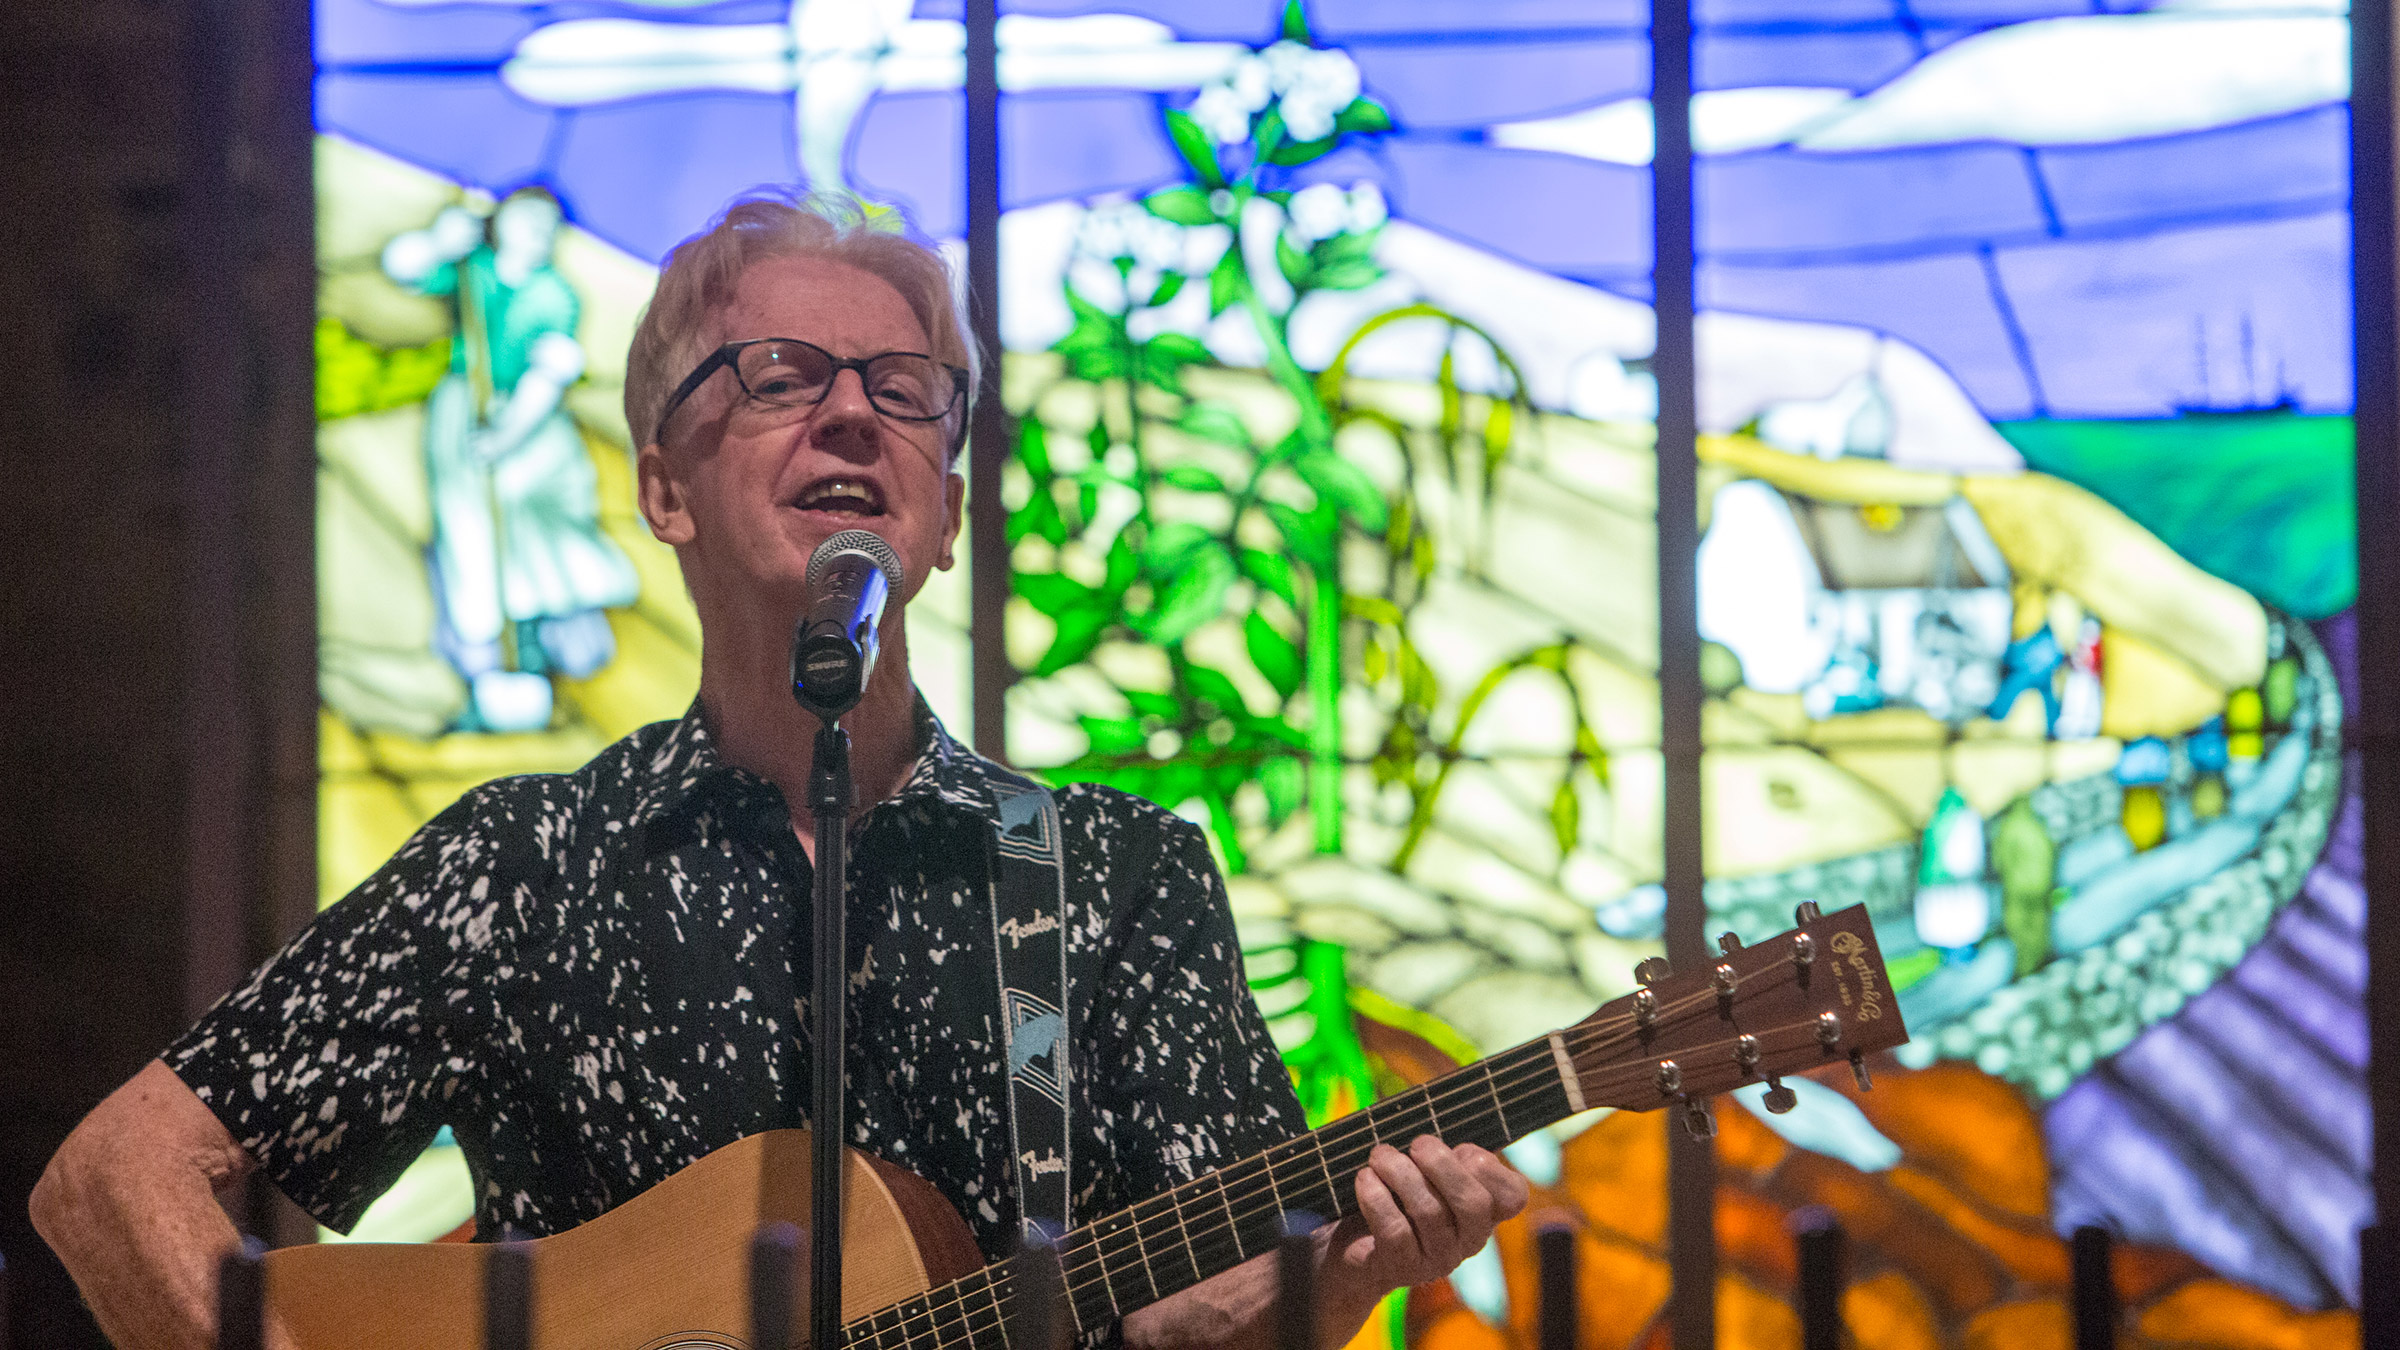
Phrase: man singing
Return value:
(594, 979)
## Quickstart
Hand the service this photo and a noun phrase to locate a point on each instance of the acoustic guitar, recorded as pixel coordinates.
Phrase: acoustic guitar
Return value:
(669, 1269)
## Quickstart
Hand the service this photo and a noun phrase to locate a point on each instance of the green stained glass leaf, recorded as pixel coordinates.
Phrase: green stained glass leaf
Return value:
(1165, 356)
(1293, 263)
(1185, 205)
(1192, 478)
(1033, 448)
(1087, 500)
(1295, 21)
(1307, 536)
(1079, 631)
(1169, 286)
(1272, 572)
(1093, 347)
(1038, 516)
(1302, 152)
(1566, 815)
(1194, 145)
(1273, 654)
(1055, 595)
(1097, 441)
(1148, 704)
(1193, 596)
(1364, 116)
(1216, 422)
(1225, 281)
(1114, 735)
(1347, 486)
(1212, 686)
(1123, 565)
(1345, 262)
(1171, 544)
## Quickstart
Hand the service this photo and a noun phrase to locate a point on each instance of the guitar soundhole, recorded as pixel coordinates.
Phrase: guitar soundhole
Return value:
(696, 1340)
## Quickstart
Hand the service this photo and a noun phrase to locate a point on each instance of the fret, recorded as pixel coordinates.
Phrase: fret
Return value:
(1182, 1241)
(999, 1313)
(1092, 1300)
(1111, 1252)
(1257, 1215)
(1304, 1186)
(1399, 1120)
(1208, 1217)
(1491, 1089)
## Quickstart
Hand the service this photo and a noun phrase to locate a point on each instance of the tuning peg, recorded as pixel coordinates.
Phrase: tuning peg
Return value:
(1697, 1122)
(1652, 970)
(1806, 913)
(1779, 1098)
(1858, 1070)
(1729, 942)
(1829, 1029)
(1804, 956)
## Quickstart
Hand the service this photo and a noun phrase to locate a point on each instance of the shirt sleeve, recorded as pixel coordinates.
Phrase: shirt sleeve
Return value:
(332, 1064)
(1186, 1069)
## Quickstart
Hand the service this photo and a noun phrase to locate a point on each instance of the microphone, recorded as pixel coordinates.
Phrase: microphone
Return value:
(833, 649)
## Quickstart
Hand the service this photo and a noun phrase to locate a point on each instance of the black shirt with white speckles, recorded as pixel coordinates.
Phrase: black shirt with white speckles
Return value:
(594, 979)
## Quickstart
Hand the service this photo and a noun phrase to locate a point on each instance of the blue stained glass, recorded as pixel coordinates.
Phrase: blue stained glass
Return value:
(1193, 20)
(358, 31)
(1474, 85)
(1942, 304)
(463, 126)
(1848, 60)
(1365, 21)
(909, 150)
(1061, 144)
(2300, 160)
(650, 171)
(1914, 201)
(1972, 14)
(2230, 316)
(1575, 217)
(1785, 13)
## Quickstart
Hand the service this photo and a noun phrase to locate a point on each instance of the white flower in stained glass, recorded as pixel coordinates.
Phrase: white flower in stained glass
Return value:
(1221, 113)
(1319, 211)
(1251, 83)
(1367, 208)
(1315, 86)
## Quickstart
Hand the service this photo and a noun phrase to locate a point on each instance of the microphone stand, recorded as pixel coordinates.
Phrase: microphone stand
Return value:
(829, 799)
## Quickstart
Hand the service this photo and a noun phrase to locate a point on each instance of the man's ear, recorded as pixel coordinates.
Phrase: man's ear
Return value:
(661, 498)
(954, 502)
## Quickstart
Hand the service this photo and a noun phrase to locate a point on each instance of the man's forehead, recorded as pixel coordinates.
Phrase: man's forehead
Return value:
(818, 299)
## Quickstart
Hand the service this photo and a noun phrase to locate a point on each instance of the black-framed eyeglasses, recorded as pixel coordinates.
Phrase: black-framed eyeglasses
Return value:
(789, 373)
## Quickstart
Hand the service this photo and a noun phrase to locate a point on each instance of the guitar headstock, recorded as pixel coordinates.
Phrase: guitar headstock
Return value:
(1813, 996)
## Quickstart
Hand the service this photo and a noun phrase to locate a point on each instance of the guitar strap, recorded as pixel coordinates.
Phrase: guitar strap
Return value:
(1029, 935)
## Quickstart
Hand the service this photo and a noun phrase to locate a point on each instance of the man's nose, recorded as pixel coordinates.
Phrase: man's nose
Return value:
(847, 421)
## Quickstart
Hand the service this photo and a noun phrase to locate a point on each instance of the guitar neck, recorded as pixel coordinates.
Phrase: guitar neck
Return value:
(1166, 1244)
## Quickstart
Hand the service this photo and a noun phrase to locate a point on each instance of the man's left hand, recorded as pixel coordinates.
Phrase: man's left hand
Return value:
(1422, 1212)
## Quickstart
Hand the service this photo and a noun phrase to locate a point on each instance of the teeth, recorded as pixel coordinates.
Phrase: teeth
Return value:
(840, 494)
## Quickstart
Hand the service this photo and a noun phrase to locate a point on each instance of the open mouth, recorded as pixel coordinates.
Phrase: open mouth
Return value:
(841, 496)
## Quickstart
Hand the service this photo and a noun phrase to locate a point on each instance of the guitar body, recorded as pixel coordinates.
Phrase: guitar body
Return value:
(666, 1270)
(669, 1269)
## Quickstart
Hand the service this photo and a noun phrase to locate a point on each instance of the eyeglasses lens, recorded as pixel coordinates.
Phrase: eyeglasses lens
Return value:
(794, 374)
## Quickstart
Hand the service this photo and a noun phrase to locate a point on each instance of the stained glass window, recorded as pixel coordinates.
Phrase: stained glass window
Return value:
(2024, 568)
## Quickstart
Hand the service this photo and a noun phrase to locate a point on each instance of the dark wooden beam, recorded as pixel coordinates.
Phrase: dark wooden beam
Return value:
(989, 436)
(1692, 1170)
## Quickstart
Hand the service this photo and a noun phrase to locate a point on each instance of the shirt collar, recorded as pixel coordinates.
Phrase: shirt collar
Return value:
(684, 764)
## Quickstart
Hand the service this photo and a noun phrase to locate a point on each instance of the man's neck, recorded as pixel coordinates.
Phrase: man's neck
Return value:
(746, 694)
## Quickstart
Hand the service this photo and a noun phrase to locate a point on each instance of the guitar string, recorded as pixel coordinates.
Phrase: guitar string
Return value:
(1535, 1069)
(998, 1279)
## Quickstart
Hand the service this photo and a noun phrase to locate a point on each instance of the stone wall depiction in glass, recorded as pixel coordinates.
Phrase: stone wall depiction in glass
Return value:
(1333, 520)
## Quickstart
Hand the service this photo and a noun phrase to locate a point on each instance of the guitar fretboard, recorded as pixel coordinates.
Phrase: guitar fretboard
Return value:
(1170, 1242)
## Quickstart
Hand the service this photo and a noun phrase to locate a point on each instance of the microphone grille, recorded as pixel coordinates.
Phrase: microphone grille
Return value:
(865, 543)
